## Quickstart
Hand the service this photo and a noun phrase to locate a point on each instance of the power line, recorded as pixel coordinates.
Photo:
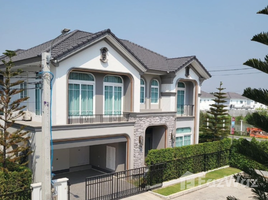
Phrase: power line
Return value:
(221, 70)
(237, 74)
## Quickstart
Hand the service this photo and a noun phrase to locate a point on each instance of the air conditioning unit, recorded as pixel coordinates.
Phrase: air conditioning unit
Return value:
(27, 116)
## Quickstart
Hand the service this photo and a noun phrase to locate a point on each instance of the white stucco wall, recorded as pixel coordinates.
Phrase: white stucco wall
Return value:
(90, 59)
(205, 103)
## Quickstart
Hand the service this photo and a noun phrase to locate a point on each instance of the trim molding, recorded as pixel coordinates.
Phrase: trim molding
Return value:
(168, 94)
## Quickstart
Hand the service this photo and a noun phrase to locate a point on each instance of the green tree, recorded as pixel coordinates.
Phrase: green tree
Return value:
(258, 119)
(214, 128)
(14, 143)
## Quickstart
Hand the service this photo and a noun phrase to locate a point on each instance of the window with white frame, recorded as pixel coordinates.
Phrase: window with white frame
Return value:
(181, 98)
(38, 99)
(183, 136)
(81, 94)
(23, 87)
(154, 91)
(113, 93)
(142, 91)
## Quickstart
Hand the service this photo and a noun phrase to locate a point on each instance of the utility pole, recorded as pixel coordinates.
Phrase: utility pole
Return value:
(45, 153)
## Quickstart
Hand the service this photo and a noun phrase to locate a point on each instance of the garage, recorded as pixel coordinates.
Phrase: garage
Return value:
(104, 154)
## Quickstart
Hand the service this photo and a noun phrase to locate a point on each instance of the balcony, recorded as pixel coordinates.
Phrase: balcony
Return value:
(98, 118)
(185, 110)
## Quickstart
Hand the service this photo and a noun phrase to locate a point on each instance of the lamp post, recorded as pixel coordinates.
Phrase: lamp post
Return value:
(46, 121)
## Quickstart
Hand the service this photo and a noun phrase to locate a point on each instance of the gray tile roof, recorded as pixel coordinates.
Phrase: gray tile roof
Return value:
(233, 95)
(175, 64)
(71, 42)
(149, 58)
(229, 95)
(206, 95)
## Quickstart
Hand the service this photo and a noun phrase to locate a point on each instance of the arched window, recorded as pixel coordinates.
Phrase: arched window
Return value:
(81, 94)
(180, 98)
(154, 91)
(113, 93)
(183, 136)
(142, 91)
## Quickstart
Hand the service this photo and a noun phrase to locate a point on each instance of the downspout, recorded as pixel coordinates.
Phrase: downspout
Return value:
(196, 114)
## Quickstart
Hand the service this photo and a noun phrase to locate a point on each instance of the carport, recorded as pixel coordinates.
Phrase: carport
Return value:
(105, 154)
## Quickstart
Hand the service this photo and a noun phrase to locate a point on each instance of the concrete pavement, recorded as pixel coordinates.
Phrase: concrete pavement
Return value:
(217, 190)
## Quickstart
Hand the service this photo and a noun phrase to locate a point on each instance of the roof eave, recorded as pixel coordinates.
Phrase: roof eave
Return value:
(200, 68)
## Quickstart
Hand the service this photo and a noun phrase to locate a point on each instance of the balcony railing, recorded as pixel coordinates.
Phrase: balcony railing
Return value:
(98, 118)
(185, 110)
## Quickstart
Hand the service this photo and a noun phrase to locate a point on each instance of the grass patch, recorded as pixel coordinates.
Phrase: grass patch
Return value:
(211, 176)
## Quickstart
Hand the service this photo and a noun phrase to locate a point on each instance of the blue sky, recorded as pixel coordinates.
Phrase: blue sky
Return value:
(217, 32)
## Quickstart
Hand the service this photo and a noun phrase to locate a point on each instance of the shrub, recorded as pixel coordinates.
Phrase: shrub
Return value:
(192, 158)
(17, 178)
(243, 151)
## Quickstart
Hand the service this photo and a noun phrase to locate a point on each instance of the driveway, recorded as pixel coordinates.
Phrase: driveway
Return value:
(218, 191)
(77, 181)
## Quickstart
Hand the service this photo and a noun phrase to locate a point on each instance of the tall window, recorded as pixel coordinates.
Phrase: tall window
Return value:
(180, 98)
(183, 136)
(23, 86)
(142, 92)
(81, 94)
(154, 91)
(38, 98)
(113, 89)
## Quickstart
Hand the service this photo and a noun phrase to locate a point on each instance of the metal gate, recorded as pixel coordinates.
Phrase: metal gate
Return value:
(125, 183)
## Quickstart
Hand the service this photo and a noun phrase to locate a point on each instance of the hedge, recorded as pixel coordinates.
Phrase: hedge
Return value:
(243, 151)
(192, 158)
(14, 180)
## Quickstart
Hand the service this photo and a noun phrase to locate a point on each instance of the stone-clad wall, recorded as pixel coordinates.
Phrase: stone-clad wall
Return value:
(142, 122)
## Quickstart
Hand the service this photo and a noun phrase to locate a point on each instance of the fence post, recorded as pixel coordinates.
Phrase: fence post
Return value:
(61, 187)
(205, 161)
(112, 186)
(117, 184)
(36, 192)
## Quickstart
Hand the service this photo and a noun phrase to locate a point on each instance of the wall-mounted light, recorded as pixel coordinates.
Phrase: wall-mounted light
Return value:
(103, 56)
(172, 136)
(141, 140)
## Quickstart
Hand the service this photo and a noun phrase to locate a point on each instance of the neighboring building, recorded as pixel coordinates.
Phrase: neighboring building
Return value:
(237, 101)
(233, 101)
(206, 99)
(113, 101)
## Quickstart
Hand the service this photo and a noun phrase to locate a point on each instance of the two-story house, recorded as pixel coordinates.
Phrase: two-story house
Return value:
(112, 101)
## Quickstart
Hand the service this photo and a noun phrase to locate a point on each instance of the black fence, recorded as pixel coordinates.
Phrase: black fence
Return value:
(18, 195)
(194, 164)
(125, 183)
(130, 182)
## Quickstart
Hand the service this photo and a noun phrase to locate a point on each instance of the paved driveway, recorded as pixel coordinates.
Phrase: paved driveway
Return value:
(77, 181)
(218, 191)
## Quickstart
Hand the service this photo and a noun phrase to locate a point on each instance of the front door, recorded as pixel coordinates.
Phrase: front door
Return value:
(148, 140)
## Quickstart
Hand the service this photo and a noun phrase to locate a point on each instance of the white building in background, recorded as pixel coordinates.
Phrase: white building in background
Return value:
(234, 101)
(206, 99)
